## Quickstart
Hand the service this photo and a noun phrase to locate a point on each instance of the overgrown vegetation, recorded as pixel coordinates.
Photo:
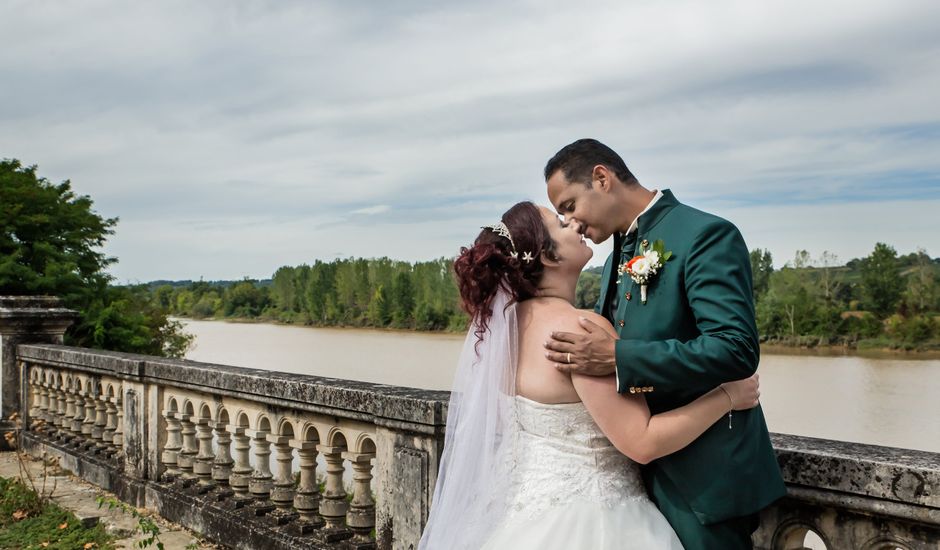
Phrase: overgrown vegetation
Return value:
(50, 244)
(29, 519)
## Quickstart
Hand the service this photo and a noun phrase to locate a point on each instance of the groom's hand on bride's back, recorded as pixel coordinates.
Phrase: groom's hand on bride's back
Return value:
(591, 352)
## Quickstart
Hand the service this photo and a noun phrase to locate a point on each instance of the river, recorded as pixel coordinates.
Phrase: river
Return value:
(881, 400)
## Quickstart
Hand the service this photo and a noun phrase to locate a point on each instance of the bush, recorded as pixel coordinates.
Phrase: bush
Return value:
(27, 524)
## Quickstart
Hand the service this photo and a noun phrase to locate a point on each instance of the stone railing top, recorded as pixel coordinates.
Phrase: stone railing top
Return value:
(900, 475)
(361, 400)
(46, 306)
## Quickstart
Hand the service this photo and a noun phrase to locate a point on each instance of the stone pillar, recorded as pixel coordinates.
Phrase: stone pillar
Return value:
(88, 424)
(187, 456)
(110, 425)
(282, 494)
(361, 515)
(307, 498)
(73, 410)
(60, 407)
(42, 412)
(36, 400)
(222, 464)
(25, 320)
(59, 410)
(171, 449)
(241, 471)
(202, 464)
(118, 439)
(101, 420)
(261, 483)
(78, 419)
(333, 504)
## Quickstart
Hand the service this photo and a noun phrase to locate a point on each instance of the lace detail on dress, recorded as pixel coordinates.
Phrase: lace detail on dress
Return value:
(560, 457)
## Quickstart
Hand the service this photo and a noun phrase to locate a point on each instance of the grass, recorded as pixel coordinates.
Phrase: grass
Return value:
(26, 523)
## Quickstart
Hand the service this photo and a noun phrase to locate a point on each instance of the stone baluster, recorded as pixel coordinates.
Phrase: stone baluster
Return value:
(202, 465)
(69, 414)
(119, 427)
(260, 483)
(42, 411)
(307, 498)
(101, 421)
(171, 450)
(361, 515)
(78, 419)
(35, 399)
(49, 413)
(241, 470)
(60, 408)
(222, 464)
(89, 417)
(187, 455)
(282, 493)
(333, 504)
(111, 426)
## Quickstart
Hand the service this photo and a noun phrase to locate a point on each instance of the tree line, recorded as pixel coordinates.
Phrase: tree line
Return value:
(346, 292)
(881, 300)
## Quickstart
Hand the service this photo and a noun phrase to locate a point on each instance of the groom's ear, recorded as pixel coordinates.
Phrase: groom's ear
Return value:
(600, 175)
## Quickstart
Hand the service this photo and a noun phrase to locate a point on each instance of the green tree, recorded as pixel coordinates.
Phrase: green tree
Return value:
(762, 265)
(50, 240)
(403, 300)
(882, 284)
(923, 290)
(588, 290)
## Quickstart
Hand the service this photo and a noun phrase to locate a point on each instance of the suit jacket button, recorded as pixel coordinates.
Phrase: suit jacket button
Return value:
(621, 323)
(645, 243)
(628, 296)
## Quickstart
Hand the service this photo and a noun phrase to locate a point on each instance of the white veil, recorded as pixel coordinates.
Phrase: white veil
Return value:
(472, 483)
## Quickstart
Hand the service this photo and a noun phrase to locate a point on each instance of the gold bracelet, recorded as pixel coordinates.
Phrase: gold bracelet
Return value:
(732, 404)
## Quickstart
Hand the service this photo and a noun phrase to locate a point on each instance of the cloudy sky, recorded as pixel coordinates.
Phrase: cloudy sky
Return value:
(233, 137)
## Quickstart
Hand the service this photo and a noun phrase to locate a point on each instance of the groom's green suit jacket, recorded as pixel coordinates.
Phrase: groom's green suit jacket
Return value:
(696, 331)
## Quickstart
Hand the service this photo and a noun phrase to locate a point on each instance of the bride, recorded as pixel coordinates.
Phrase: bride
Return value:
(535, 458)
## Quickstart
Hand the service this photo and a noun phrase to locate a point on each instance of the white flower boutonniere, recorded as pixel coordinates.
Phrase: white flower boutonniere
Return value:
(644, 267)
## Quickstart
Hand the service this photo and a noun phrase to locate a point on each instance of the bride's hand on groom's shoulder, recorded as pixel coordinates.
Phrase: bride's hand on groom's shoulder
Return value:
(744, 393)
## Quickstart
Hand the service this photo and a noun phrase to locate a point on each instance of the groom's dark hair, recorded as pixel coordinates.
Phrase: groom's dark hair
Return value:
(577, 160)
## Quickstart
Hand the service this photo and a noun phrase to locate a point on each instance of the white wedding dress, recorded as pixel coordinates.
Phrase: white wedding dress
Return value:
(520, 475)
(570, 488)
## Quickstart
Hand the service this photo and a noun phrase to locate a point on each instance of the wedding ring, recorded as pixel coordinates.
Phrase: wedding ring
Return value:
(569, 356)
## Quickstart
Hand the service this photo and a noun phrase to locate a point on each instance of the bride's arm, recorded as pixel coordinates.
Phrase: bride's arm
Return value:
(627, 423)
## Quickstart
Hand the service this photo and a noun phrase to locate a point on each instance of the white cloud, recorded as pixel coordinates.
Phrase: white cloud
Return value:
(234, 137)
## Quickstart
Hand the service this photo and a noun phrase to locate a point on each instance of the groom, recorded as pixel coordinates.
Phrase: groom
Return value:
(694, 330)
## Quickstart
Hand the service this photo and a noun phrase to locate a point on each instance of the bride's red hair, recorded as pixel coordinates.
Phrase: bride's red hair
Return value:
(482, 268)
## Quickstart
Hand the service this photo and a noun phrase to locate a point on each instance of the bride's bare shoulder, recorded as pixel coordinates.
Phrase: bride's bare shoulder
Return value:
(597, 319)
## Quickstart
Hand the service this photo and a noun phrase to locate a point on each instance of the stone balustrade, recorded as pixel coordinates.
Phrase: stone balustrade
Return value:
(254, 459)
(354, 464)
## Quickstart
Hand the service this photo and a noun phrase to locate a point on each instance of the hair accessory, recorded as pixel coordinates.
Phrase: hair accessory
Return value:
(500, 229)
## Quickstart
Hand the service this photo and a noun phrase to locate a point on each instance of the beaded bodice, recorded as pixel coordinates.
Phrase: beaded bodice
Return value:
(561, 456)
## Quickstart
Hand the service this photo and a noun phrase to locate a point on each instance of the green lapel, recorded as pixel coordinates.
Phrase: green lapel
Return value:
(608, 278)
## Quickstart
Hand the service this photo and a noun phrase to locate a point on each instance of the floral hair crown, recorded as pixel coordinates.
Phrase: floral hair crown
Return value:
(500, 229)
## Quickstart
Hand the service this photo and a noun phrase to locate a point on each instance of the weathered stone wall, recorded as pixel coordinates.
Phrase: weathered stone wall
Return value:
(176, 454)
(854, 496)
